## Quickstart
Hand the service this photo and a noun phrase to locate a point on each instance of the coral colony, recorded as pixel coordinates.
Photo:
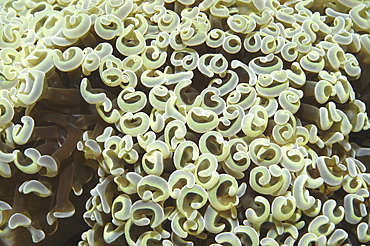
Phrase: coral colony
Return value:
(216, 122)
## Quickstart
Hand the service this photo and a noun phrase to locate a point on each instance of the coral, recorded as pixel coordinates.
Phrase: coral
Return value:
(217, 122)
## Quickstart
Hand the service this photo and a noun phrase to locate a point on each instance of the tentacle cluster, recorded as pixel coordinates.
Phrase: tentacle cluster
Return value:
(217, 122)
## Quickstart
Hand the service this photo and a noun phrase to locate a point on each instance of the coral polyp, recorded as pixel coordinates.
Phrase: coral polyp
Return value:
(217, 122)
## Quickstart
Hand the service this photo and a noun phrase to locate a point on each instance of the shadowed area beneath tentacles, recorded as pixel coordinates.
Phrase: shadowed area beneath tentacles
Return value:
(60, 118)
